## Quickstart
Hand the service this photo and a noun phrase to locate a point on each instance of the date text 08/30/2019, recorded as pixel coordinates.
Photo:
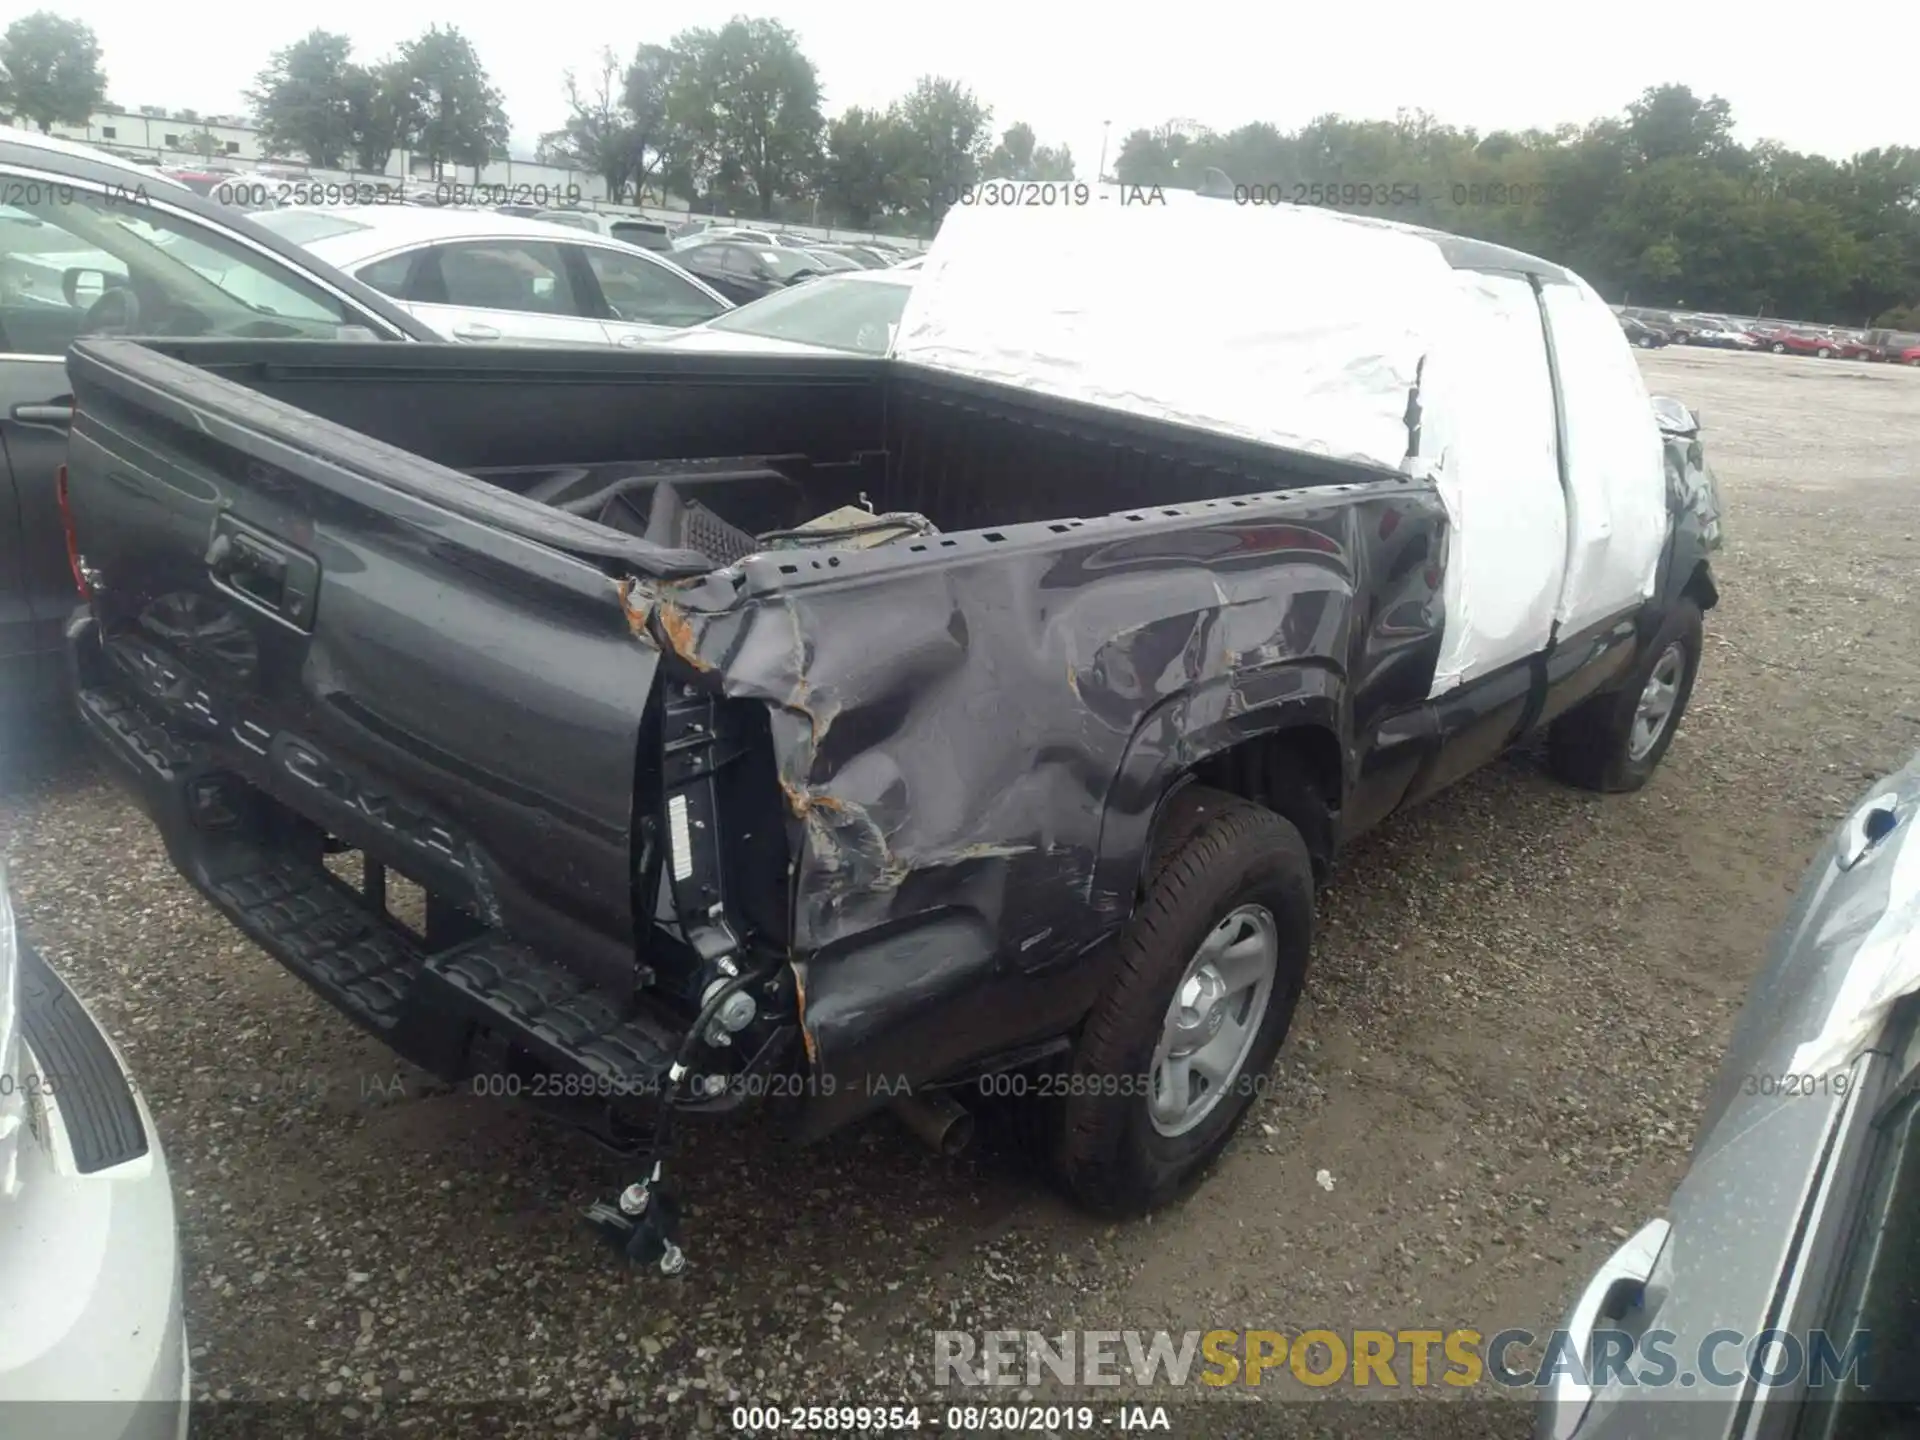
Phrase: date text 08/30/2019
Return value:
(1310, 194)
(962, 1419)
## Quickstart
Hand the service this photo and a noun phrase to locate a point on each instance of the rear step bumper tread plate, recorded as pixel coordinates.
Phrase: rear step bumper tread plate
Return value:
(365, 964)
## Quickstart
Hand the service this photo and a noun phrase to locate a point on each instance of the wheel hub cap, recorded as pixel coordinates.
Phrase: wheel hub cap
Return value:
(1657, 702)
(1213, 1019)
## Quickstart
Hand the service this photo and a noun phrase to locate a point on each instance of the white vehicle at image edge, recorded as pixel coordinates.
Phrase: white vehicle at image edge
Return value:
(479, 276)
(93, 1339)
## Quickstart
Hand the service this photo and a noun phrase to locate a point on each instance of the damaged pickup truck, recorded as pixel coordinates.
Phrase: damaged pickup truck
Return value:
(833, 733)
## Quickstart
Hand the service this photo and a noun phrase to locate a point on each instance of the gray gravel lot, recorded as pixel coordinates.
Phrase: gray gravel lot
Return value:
(1520, 994)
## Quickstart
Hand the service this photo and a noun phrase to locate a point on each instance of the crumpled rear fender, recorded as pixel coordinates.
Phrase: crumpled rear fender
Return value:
(972, 731)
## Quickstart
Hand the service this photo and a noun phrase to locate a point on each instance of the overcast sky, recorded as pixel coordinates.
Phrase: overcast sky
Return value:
(1065, 70)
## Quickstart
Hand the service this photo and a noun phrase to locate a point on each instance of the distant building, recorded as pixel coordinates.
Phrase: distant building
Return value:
(184, 137)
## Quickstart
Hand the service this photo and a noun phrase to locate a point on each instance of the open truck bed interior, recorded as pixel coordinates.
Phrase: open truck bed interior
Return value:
(702, 455)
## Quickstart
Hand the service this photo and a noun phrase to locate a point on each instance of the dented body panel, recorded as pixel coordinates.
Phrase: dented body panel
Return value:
(920, 779)
(973, 764)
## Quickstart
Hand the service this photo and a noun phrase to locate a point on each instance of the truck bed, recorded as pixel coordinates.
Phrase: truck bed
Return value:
(425, 603)
(763, 442)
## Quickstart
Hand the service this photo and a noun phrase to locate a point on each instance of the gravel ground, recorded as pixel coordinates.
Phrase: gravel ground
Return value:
(1519, 997)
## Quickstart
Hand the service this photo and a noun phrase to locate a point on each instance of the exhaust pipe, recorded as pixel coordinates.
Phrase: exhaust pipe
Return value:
(938, 1120)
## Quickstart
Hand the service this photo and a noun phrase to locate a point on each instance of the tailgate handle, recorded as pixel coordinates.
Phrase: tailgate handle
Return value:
(258, 569)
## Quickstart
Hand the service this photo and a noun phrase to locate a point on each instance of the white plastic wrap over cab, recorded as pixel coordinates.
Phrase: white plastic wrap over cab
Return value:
(1118, 305)
(1145, 308)
(1490, 441)
(1616, 462)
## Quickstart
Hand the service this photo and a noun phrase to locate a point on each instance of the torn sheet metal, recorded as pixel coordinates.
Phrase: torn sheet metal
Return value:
(990, 730)
(1886, 966)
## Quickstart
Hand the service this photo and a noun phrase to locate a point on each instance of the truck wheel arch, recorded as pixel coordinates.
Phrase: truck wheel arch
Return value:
(1700, 587)
(1295, 768)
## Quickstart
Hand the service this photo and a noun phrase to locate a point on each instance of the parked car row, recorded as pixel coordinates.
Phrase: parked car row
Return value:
(186, 264)
(1650, 328)
(1643, 335)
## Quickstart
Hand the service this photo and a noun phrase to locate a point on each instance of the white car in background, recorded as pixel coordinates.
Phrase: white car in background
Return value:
(93, 1342)
(710, 233)
(628, 229)
(479, 276)
(855, 312)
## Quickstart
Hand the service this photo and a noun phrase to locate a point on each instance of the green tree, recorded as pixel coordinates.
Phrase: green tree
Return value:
(381, 112)
(53, 70)
(459, 117)
(1168, 155)
(301, 103)
(1669, 121)
(946, 141)
(744, 102)
(647, 89)
(1019, 156)
(862, 178)
(201, 142)
(599, 134)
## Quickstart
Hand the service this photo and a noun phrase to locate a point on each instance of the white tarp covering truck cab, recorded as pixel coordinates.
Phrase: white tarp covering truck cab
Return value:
(1349, 321)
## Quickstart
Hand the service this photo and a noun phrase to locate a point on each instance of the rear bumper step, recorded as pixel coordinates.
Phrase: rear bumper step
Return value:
(430, 1006)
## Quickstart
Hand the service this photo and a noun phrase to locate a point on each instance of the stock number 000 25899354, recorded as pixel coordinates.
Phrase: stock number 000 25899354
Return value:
(880, 1419)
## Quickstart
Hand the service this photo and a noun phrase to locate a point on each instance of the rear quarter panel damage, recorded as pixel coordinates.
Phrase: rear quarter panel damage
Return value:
(975, 737)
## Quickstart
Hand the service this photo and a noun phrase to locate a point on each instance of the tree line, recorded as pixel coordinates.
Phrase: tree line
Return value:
(1658, 205)
(730, 119)
(431, 97)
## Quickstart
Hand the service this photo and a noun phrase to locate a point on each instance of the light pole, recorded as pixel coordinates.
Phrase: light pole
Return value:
(1100, 176)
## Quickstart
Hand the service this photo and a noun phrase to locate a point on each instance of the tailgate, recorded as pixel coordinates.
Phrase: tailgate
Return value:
(430, 671)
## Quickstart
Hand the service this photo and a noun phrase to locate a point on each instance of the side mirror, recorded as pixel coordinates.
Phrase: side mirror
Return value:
(1214, 184)
(1675, 418)
(83, 286)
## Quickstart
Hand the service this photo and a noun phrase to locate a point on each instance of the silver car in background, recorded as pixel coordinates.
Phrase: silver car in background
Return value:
(487, 278)
(1799, 1217)
(90, 1289)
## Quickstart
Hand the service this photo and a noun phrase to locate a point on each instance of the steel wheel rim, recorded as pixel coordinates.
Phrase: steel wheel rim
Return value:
(1658, 700)
(1213, 1019)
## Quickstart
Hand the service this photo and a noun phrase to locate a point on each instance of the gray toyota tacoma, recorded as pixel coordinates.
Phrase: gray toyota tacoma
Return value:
(834, 733)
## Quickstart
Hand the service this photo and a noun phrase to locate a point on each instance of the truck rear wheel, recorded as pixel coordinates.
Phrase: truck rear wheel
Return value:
(1614, 741)
(1210, 970)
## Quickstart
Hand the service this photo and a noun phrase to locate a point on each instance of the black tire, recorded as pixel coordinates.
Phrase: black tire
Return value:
(1591, 745)
(1777, 348)
(1221, 853)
